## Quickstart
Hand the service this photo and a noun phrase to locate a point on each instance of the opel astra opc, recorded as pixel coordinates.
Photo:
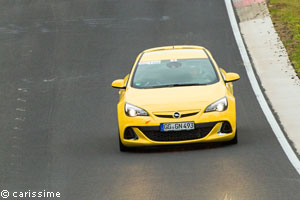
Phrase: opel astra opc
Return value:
(176, 95)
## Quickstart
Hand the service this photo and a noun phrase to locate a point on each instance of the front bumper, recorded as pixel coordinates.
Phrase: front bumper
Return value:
(208, 128)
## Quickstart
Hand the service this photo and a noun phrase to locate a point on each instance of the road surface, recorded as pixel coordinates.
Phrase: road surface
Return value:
(58, 110)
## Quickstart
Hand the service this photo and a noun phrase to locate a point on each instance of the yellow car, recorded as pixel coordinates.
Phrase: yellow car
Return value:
(176, 95)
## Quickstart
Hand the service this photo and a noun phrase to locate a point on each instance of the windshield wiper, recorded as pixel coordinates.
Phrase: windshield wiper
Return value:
(177, 85)
(186, 84)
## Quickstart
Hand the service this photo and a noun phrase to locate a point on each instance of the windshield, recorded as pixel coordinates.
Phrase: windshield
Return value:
(174, 73)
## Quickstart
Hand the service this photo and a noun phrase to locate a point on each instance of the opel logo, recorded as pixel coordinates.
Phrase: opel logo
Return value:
(176, 115)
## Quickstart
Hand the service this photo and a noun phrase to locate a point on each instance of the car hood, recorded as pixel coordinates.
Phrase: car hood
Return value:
(175, 98)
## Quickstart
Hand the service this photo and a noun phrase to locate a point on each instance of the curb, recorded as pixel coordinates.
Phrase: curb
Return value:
(257, 90)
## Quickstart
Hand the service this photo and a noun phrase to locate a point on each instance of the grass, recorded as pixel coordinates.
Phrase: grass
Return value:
(286, 18)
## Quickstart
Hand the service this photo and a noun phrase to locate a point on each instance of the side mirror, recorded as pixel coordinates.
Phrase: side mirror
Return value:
(118, 84)
(230, 77)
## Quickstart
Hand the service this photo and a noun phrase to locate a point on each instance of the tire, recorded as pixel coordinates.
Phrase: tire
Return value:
(235, 139)
(123, 148)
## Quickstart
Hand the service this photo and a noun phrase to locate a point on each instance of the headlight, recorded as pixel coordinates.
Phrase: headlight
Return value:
(219, 105)
(133, 111)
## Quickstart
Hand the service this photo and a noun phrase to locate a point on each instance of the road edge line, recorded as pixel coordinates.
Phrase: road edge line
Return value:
(257, 91)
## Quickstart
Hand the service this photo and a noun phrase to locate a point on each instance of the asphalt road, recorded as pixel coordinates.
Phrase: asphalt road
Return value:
(58, 117)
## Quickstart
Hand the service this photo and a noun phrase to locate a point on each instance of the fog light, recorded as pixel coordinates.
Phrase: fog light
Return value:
(225, 128)
(129, 134)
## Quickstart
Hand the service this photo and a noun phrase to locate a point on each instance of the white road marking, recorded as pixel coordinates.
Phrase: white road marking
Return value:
(164, 18)
(26, 80)
(20, 99)
(259, 95)
(49, 80)
(20, 119)
(23, 89)
(20, 109)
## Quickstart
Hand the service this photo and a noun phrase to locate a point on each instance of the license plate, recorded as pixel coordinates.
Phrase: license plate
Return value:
(180, 126)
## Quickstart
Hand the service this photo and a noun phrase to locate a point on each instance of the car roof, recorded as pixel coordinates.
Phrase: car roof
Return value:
(173, 52)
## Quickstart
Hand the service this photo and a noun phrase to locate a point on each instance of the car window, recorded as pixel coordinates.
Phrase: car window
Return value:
(171, 73)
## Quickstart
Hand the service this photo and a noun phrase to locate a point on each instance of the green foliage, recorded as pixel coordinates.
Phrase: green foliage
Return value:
(286, 17)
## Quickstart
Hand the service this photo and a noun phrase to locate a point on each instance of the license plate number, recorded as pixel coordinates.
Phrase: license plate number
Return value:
(180, 126)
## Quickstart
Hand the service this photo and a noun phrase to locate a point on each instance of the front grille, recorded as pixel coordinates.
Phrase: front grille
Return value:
(200, 131)
(183, 115)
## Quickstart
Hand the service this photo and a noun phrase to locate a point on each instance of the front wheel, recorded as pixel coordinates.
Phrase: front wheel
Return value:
(235, 139)
(123, 148)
